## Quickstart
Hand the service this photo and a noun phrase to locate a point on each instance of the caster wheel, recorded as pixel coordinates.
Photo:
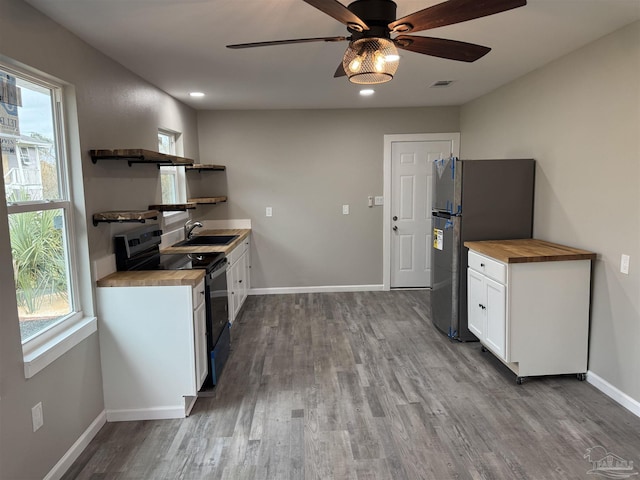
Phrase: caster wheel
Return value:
(519, 380)
(582, 377)
(483, 349)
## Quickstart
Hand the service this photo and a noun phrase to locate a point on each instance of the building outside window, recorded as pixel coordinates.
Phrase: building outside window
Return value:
(35, 172)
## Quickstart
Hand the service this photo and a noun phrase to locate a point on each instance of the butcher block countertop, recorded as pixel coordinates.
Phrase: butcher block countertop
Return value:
(167, 278)
(241, 232)
(155, 278)
(528, 251)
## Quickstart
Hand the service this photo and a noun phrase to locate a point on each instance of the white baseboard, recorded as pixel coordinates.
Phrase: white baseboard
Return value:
(614, 393)
(319, 289)
(130, 415)
(77, 448)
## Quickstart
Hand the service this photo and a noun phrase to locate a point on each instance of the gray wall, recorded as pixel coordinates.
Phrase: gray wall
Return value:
(115, 109)
(306, 165)
(579, 117)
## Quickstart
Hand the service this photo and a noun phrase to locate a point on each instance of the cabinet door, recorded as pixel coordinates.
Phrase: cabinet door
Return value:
(200, 339)
(233, 277)
(476, 295)
(242, 280)
(496, 326)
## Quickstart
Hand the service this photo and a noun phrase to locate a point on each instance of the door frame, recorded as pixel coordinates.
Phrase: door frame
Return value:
(453, 137)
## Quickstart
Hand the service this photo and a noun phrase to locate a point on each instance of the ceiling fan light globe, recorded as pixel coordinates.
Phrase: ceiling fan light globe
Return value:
(370, 56)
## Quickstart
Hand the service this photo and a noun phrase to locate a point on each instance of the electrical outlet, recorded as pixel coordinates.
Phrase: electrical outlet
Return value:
(624, 264)
(379, 201)
(269, 212)
(345, 209)
(36, 416)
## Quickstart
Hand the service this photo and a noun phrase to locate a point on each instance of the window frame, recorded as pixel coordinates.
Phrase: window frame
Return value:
(178, 173)
(55, 340)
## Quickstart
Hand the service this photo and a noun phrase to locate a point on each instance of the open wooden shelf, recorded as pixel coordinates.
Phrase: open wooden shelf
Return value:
(139, 155)
(207, 200)
(204, 167)
(125, 216)
(173, 207)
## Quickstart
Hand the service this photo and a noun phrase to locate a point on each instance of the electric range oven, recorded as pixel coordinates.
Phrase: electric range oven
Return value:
(138, 249)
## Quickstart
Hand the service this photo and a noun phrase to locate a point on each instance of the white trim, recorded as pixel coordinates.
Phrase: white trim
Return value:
(60, 468)
(241, 223)
(158, 413)
(103, 267)
(614, 393)
(171, 218)
(453, 137)
(49, 351)
(318, 289)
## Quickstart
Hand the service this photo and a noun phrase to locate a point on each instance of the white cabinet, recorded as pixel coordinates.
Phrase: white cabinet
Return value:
(238, 277)
(532, 310)
(152, 348)
(200, 332)
(487, 305)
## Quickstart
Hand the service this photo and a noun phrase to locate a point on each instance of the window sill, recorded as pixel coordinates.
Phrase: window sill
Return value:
(171, 218)
(43, 355)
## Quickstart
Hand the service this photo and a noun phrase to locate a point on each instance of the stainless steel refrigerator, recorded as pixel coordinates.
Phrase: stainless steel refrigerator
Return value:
(473, 200)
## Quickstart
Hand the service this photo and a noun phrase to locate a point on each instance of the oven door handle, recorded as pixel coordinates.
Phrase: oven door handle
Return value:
(221, 270)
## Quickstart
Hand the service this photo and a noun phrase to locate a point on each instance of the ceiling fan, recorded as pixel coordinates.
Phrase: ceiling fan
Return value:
(372, 56)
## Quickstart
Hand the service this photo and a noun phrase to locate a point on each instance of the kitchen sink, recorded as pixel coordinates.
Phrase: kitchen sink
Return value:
(207, 240)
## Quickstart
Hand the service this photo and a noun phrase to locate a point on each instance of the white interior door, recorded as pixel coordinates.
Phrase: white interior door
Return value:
(410, 210)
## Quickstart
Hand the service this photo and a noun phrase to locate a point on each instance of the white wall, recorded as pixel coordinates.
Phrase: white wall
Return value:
(115, 109)
(306, 164)
(579, 117)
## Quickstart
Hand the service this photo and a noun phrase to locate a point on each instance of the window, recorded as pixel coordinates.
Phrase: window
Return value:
(172, 179)
(34, 168)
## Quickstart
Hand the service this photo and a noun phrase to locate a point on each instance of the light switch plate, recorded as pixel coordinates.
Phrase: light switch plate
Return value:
(36, 416)
(269, 212)
(379, 201)
(345, 209)
(624, 264)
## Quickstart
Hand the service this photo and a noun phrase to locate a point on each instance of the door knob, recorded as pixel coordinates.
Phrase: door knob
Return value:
(395, 218)
(395, 228)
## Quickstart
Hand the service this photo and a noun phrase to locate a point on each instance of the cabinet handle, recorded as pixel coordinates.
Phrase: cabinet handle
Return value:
(202, 292)
(239, 281)
(482, 265)
(482, 306)
(395, 228)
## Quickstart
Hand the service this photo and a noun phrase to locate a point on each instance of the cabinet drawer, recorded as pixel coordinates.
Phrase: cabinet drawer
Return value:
(237, 252)
(488, 266)
(198, 294)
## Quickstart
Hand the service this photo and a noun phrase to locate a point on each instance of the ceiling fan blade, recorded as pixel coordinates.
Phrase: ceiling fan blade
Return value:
(286, 42)
(339, 71)
(441, 47)
(335, 9)
(450, 12)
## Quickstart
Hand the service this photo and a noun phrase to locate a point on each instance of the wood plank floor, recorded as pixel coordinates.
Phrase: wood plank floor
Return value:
(361, 386)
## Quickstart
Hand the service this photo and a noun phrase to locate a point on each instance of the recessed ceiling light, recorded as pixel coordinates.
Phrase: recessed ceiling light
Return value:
(196, 94)
(367, 92)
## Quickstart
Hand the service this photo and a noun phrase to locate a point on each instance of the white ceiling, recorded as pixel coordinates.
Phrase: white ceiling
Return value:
(179, 45)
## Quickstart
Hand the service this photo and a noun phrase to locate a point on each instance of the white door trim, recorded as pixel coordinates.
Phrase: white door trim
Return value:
(454, 138)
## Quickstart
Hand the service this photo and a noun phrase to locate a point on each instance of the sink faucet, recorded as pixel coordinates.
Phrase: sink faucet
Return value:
(189, 226)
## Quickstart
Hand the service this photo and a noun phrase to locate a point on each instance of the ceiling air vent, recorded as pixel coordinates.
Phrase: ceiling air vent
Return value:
(441, 84)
